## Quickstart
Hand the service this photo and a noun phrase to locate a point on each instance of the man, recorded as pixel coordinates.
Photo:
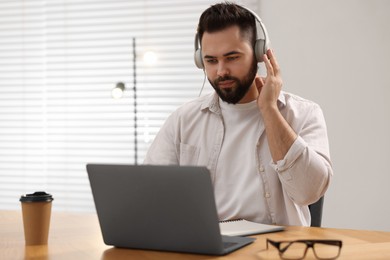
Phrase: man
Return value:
(267, 150)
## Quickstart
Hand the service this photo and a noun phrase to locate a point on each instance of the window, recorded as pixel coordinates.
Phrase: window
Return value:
(59, 61)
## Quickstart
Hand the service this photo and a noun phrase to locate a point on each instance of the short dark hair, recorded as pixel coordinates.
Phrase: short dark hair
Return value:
(223, 15)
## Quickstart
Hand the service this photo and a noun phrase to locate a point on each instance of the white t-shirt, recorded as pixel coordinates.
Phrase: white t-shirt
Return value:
(238, 186)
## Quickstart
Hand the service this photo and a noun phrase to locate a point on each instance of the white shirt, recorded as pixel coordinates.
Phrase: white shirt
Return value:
(195, 134)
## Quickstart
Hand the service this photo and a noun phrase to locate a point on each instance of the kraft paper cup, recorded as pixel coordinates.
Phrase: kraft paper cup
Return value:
(36, 209)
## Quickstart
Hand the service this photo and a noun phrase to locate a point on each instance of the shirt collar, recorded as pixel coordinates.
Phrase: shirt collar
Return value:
(211, 102)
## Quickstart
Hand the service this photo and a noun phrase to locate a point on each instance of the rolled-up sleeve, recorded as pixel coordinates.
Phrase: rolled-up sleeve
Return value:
(305, 171)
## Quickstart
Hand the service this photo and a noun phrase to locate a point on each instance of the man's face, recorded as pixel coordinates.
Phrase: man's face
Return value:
(230, 65)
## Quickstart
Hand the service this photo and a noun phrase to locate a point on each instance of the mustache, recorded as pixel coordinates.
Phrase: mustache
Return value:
(219, 79)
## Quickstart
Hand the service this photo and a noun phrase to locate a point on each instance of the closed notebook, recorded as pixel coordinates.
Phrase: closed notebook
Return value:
(242, 227)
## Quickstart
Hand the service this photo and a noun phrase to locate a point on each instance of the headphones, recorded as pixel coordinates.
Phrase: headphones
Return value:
(261, 45)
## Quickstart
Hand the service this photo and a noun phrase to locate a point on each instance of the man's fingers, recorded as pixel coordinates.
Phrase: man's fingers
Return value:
(259, 83)
(268, 65)
(274, 62)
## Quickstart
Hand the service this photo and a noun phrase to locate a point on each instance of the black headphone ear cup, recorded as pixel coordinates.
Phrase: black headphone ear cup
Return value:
(198, 59)
(260, 50)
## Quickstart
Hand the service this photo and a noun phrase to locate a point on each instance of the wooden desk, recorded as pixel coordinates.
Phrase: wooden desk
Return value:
(77, 236)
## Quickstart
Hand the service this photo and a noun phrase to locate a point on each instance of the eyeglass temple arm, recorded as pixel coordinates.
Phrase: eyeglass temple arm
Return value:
(274, 243)
(277, 245)
(327, 242)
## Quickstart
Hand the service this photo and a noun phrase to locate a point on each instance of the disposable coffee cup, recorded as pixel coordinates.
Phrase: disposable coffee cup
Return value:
(36, 209)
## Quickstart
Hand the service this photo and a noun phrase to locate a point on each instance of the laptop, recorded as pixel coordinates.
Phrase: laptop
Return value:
(167, 208)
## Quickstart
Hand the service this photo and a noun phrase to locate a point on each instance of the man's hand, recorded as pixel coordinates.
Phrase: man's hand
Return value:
(279, 133)
(269, 87)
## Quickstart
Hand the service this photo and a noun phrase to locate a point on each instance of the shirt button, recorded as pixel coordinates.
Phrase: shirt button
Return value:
(261, 168)
(267, 195)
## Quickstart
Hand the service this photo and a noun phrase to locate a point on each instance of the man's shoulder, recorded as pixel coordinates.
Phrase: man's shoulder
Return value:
(196, 104)
(293, 100)
(192, 110)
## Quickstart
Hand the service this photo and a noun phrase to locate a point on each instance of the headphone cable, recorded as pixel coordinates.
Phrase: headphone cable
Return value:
(204, 80)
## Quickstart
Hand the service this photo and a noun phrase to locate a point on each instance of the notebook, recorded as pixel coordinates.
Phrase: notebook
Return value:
(168, 208)
(242, 227)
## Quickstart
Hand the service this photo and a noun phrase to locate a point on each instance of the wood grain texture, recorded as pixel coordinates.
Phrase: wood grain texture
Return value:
(77, 236)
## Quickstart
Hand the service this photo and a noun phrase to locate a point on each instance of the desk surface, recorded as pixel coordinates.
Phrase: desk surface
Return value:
(77, 236)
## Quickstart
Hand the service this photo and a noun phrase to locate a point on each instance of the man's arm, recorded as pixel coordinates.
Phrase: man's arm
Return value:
(302, 162)
(279, 133)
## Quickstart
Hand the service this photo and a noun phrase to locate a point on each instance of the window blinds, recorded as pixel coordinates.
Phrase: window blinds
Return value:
(59, 61)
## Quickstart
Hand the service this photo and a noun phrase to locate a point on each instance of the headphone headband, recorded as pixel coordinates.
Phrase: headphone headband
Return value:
(260, 48)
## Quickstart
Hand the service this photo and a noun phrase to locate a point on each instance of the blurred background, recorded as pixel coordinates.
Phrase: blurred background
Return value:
(61, 59)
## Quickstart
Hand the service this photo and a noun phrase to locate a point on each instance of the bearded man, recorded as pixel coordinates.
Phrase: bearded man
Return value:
(267, 150)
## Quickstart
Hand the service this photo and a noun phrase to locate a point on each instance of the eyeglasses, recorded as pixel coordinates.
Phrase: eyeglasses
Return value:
(297, 249)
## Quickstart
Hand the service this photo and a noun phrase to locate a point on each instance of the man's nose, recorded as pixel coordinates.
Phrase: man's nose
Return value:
(222, 69)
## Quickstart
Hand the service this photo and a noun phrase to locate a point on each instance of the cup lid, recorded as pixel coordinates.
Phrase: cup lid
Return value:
(37, 196)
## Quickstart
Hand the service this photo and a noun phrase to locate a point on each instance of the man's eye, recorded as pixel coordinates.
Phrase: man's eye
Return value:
(211, 61)
(230, 58)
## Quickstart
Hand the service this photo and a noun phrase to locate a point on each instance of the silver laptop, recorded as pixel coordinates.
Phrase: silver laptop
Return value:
(168, 208)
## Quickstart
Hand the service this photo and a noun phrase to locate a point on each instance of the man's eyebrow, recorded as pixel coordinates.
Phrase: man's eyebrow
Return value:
(231, 53)
(225, 55)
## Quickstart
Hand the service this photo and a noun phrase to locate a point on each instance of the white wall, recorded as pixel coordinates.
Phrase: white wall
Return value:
(337, 54)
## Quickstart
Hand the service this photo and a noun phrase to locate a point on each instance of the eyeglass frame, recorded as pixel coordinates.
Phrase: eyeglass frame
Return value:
(309, 244)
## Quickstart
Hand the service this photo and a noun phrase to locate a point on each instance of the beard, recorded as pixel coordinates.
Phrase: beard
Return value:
(234, 94)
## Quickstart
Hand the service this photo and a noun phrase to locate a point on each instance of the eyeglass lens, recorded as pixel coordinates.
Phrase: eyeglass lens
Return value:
(326, 251)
